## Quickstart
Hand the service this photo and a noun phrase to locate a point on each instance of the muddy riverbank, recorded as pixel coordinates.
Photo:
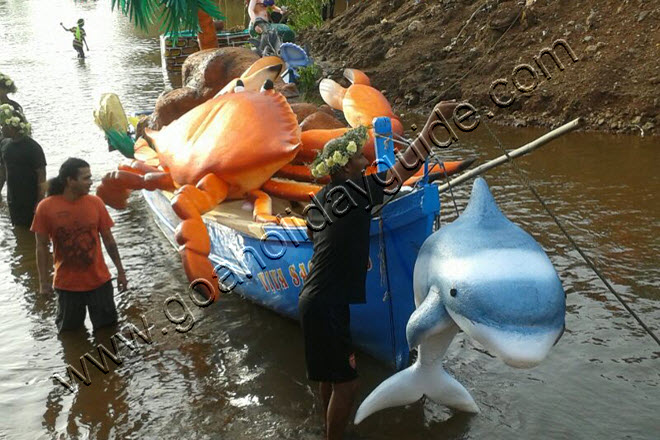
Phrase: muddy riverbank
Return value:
(420, 52)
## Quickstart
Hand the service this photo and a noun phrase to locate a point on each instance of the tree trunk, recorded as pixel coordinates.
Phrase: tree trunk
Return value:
(206, 37)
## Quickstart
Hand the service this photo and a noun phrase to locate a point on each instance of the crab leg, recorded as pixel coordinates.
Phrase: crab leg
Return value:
(290, 190)
(300, 173)
(263, 211)
(189, 203)
(116, 186)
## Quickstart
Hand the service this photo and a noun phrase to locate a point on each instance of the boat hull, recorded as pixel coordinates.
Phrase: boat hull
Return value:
(270, 269)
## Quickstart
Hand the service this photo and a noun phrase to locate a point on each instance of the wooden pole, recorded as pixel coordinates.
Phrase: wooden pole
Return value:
(512, 154)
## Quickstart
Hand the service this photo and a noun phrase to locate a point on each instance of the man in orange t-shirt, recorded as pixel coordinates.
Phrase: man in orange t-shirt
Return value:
(73, 220)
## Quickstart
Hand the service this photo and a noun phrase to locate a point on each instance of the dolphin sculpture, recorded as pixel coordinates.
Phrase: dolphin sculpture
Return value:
(486, 276)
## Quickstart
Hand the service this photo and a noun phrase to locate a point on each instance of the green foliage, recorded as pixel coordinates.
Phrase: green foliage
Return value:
(303, 13)
(307, 79)
(174, 15)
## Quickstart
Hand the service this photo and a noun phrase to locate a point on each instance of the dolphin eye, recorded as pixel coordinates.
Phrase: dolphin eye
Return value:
(453, 292)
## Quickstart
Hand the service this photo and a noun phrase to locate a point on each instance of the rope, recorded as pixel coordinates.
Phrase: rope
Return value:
(384, 275)
(451, 191)
(568, 236)
(391, 136)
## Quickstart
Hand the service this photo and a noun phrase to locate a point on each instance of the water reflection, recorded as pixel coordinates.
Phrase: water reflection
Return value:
(95, 409)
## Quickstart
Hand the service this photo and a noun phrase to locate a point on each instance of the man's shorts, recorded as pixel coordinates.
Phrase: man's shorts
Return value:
(329, 352)
(72, 308)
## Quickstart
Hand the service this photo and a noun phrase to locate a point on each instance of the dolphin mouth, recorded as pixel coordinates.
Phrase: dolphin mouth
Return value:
(521, 347)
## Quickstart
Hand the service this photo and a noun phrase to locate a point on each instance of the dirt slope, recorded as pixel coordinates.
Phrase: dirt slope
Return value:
(409, 50)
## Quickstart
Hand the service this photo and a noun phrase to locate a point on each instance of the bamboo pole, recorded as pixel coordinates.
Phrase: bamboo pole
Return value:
(570, 126)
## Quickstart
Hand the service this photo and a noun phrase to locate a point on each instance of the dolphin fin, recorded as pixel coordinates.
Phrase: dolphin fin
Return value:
(409, 385)
(428, 319)
(332, 93)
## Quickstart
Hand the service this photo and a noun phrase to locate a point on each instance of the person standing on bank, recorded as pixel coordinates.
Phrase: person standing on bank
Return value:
(338, 224)
(73, 220)
(22, 166)
(79, 35)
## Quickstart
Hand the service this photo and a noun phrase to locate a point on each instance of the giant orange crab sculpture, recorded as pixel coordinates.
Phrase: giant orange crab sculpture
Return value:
(217, 151)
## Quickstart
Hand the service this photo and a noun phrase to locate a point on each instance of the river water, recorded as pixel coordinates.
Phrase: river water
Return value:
(239, 374)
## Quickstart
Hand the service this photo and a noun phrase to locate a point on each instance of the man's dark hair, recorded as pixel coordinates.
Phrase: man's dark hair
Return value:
(68, 169)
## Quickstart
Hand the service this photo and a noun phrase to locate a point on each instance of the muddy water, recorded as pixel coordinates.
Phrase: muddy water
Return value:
(238, 374)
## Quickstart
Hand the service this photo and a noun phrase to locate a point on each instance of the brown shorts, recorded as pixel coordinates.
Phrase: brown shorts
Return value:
(329, 354)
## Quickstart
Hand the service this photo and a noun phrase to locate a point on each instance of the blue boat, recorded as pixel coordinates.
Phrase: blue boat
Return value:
(267, 264)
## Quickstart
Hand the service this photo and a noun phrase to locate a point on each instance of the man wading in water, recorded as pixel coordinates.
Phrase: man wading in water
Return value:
(338, 224)
(78, 37)
(73, 219)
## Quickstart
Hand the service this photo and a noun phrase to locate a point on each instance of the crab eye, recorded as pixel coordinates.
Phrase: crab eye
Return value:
(453, 292)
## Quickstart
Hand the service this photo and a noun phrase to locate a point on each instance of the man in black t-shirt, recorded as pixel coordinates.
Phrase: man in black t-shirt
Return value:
(25, 168)
(338, 222)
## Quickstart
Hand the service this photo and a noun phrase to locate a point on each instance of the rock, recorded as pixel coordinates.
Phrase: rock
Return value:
(171, 105)
(302, 110)
(601, 121)
(636, 120)
(288, 90)
(648, 126)
(591, 19)
(411, 98)
(505, 16)
(519, 122)
(326, 108)
(204, 74)
(415, 26)
(591, 48)
(320, 119)
(588, 38)
(643, 15)
(210, 70)
(391, 53)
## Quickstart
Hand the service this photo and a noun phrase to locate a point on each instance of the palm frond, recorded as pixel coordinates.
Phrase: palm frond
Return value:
(176, 15)
(141, 13)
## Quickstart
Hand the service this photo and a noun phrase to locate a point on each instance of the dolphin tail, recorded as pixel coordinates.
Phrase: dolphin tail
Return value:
(332, 93)
(409, 385)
